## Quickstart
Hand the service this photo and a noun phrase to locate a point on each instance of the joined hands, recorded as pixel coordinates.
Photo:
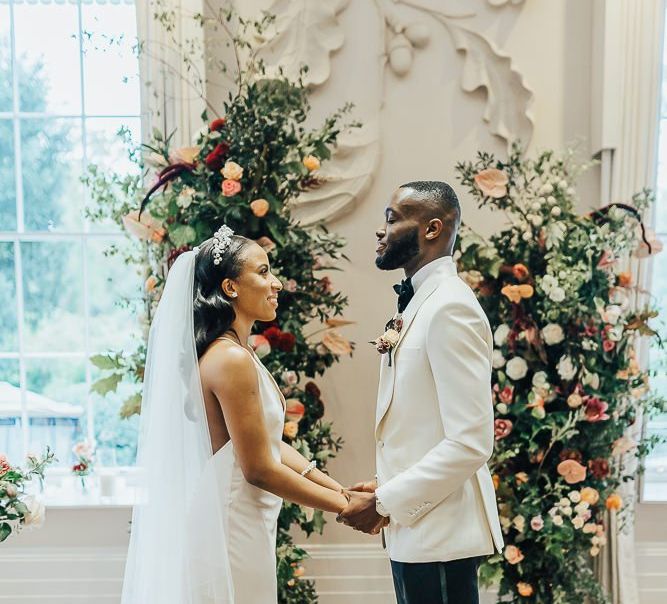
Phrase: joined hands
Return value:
(360, 512)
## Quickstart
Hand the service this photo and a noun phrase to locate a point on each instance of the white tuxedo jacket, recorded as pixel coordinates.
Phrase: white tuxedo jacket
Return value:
(434, 427)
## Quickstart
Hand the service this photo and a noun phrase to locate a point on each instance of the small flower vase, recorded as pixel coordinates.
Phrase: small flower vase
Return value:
(84, 485)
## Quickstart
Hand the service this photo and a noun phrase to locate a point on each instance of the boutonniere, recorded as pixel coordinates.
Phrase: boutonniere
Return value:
(388, 340)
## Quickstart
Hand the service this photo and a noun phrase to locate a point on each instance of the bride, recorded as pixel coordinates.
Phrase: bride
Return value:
(214, 467)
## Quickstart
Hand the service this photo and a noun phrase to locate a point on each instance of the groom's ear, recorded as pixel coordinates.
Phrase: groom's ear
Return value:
(434, 229)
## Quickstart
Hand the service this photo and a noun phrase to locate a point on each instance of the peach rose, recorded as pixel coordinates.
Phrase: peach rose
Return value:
(590, 495)
(521, 478)
(230, 187)
(294, 409)
(513, 554)
(336, 343)
(524, 589)
(266, 244)
(291, 429)
(624, 279)
(259, 207)
(516, 292)
(311, 162)
(232, 171)
(574, 400)
(572, 471)
(614, 502)
(260, 345)
(150, 283)
(492, 182)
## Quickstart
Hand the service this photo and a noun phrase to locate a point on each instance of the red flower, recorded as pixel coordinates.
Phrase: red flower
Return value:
(595, 410)
(287, 341)
(312, 389)
(325, 283)
(502, 428)
(217, 124)
(506, 394)
(273, 334)
(590, 330)
(216, 158)
(175, 253)
(599, 468)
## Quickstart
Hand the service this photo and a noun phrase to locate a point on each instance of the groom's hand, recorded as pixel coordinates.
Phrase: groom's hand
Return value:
(361, 514)
(365, 487)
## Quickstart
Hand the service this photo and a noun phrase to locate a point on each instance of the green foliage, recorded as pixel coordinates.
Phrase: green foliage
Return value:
(567, 384)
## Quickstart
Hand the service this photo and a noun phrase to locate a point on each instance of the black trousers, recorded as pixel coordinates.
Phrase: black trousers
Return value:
(452, 582)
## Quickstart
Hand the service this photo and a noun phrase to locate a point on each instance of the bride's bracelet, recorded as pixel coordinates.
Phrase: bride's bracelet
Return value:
(309, 468)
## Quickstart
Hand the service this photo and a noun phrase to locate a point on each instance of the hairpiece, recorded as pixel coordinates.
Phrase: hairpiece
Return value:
(222, 239)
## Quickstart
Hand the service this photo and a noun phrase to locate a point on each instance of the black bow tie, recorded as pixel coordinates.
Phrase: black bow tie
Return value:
(405, 293)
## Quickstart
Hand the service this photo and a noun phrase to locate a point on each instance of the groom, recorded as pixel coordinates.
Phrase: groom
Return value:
(434, 421)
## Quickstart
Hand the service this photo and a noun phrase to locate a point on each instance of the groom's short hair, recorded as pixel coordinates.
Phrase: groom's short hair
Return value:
(440, 194)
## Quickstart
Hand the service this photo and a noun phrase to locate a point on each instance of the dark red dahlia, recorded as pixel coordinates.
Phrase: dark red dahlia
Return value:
(216, 158)
(217, 124)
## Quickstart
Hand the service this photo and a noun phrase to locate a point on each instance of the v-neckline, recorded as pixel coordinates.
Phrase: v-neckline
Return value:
(283, 402)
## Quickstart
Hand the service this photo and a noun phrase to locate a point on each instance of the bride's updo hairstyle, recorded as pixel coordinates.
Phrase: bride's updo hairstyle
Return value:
(213, 311)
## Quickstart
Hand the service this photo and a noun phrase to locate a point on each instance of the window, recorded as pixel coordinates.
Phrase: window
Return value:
(68, 83)
(655, 478)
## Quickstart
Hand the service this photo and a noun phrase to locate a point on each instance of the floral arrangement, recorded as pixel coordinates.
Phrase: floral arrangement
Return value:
(18, 509)
(567, 384)
(245, 167)
(84, 452)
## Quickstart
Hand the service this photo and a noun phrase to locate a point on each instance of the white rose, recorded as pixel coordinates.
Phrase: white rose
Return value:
(563, 502)
(391, 336)
(611, 314)
(557, 294)
(549, 282)
(552, 334)
(581, 507)
(472, 278)
(558, 520)
(500, 336)
(536, 220)
(516, 368)
(519, 523)
(232, 171)
(290, 378)
(575, 497)
(540, 380)
(498, 360)
(578, 522)
(527, 236)
(555, 211)
(36, 512)
(566, 368)
(566, 510)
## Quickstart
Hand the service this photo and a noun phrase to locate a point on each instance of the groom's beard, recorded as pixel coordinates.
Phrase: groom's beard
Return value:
(399, 251)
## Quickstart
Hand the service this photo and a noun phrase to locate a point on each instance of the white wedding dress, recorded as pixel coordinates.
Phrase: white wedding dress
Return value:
(202, 534)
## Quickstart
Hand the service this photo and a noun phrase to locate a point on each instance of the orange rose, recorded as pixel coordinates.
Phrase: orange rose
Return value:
(513, 554)
(492, 182)
(520, 272)
(524, 589)
(259, 207)
(496, 481)
(291, 429)
(294, 409)
(572, 471)
(521, 478)
(311, 162)
(590, 495)
(614, 502)
(515, 292)
(624, 279)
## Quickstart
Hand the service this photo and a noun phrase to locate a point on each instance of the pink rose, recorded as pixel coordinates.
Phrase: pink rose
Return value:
(4, 465)
(502, 428)
(537, 523)
(608, 345)
(595, 409)
(492, 182)
(505, 395)
(290, 378)
(230, 187)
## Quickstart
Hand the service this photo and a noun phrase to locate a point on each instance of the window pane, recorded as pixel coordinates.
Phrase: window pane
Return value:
(109, 150)
(52, 166)
(660, 213)
(56, 405)
(7, 176)
(111, 82)
(47, 42)
(11, 437)
(53, 294)
(8, 333)
(5, 61)
(114, 297)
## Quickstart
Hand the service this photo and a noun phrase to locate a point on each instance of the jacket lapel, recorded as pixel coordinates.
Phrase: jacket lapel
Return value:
(388, 374)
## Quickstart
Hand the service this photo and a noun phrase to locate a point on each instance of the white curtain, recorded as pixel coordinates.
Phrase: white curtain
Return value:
(172, 88)
(627, 74)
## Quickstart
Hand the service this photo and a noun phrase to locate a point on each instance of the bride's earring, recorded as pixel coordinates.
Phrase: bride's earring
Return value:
(234, 295)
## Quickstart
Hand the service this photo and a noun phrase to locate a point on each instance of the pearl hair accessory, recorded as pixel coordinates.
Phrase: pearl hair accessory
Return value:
(222, 239)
